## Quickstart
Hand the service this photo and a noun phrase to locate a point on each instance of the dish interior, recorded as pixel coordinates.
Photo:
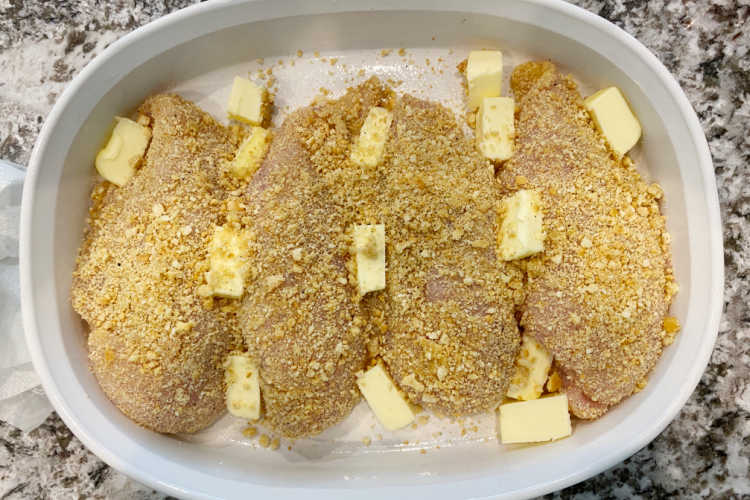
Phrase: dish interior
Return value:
(199, 69)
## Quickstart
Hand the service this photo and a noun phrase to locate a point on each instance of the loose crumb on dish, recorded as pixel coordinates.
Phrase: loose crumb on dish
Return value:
(264, 440)
(275, 443)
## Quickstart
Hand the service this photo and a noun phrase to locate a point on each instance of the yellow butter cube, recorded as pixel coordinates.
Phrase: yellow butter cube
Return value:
(384, 398)
(243, 386)
(117, 161)
(251, 153)
(614, 119)
(368, 148)
(369, 250)
(496, 128)
(544, 419)
(532, 366)
(484, 75)
(228, 262)
(521, 231)
(247, 101)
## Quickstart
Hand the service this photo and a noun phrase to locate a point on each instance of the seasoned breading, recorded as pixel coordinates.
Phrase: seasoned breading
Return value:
(155, 346)
(599, 292)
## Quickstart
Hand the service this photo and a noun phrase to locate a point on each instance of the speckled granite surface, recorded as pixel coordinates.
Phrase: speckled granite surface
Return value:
(705, 452)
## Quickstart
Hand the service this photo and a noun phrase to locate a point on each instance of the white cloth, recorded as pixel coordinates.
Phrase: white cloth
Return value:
(22, 400)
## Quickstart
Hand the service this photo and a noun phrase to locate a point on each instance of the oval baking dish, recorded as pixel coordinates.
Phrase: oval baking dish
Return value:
(206, 37)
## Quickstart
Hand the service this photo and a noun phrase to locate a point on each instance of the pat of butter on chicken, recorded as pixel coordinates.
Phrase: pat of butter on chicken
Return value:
(117, 161)
(521, 231)
(384, 398)
(243, 388)
(368, 148)
(369, 248)
(544, 419)
(495, 128)
(228, 261)
(532, 366)
(250, 153)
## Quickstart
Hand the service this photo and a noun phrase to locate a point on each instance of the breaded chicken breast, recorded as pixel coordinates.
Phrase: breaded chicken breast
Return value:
(155, 346)
(300, 316)
(452, 337)
(598, 294)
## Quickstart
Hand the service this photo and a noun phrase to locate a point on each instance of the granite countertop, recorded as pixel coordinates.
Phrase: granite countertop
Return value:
(706, 449)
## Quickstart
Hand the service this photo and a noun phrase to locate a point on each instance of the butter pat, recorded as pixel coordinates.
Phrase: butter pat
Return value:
(250, 153)
(247, 102)
(243, 388)
(535, 421)
(495, 128)
(614, 119)
(384, 398)
(484, 74)
(117, 161)
(532, 366)
(228, 262)
(368, 149)
(369, 248)
(521, 232)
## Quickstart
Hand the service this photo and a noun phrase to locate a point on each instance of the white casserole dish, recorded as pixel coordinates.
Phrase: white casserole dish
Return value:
(216, 35)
